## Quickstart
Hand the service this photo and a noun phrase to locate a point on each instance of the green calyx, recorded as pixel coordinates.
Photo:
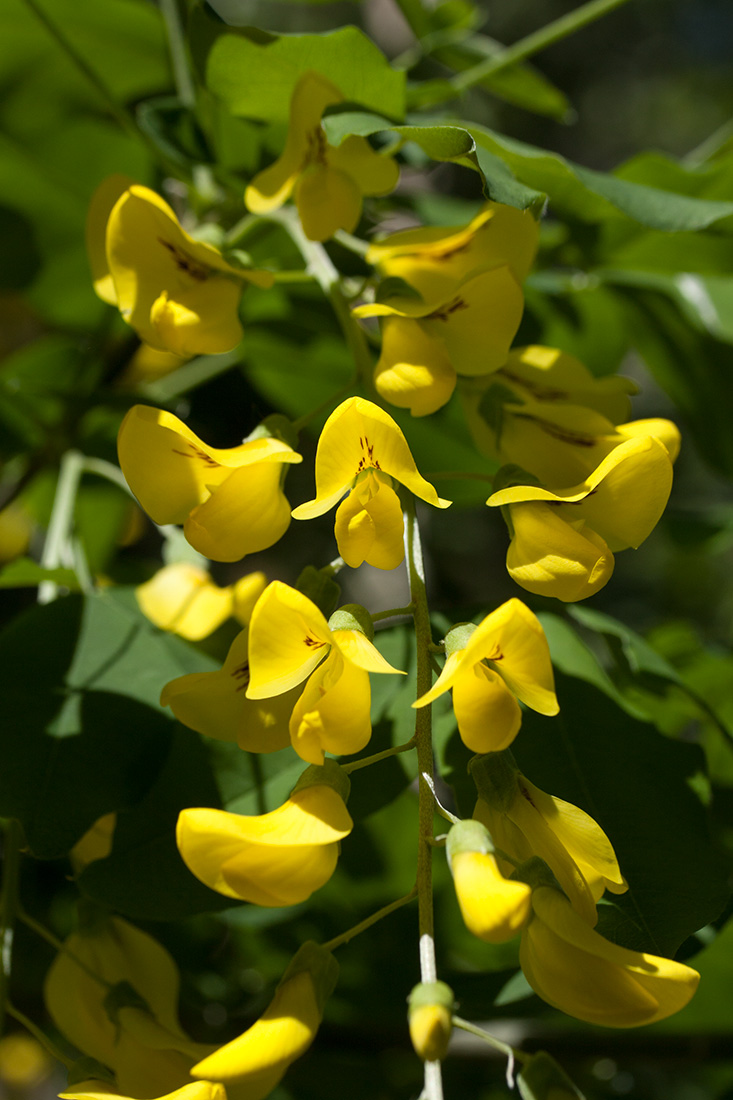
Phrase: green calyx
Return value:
(495, 775)
(275, 426)
(425, 994)
(468, 836)
(320, 964)
(352, 616)
(320, 588)
(327, 774)
(457, 637)
(535, 873)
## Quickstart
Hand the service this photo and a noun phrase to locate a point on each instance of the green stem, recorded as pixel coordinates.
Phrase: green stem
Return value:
(187, 377)
(384, 755)
(121, 115)
(392, 613)
(8, 909)
(511, 1052)
(535, 42)
(179, 58)
(55, 942)
(58, 536)
(354, 244)
(337, 941)
(433, 1087)
(44, 1039)
(102, 468)
(319, 264)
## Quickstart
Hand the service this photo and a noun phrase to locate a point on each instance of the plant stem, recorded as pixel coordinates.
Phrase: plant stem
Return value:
(511, 1053)
(354, 244)
(433, 1088)
(55, 942)
(8, 909)
(121, 115)
(44, 1039)
(62, 520)
(535, 42)
(179, 58)
(319, 264)
(189, 376)
(392, 613)
(337, 941)
(357, 764)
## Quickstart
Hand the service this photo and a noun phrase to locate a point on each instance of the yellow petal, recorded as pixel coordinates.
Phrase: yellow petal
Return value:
(327, 199)
(171, 471)
(434, 259)
(98, 1090)
(334, 712)
(100, 208)
(275, 859)
(550, 557)
(414, 370)
(283, 1033)
(216, 704)
(182, 598)
(487, 713)
(373, 173)
(369, 526)
(479, 321)
(359, 436)
(513, 640)
(574, 968)
(246, 592)
(452, 669)
(357, 648)
(201, 321)
(246, 513)
(493, 908)
(289, 636)
(583, 838)
(550, 376)
(272, 187)
(665, 431)
(95, 844)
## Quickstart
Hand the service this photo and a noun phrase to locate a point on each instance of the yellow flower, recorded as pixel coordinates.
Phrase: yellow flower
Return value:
(563, 542)
(362, 449)
(289, 641)
(430, 1018)
(23, 1063)
(489, 667)
(180, 295)
(272, 859)
(434, 259)
(216, 704)
(16, 529)
(427, 344)
(259, 1058)
(544, 411)
(493, 907)
(146, 1048)
(573, 968)
(229, 501)
(101, 1090)
(525, 822)
(329, 181)
(183, 598)
(95, 844)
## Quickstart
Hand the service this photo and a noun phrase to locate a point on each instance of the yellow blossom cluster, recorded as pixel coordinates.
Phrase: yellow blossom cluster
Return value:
(577, 481)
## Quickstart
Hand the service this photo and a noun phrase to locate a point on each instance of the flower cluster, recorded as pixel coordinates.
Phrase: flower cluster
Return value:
(577, 481)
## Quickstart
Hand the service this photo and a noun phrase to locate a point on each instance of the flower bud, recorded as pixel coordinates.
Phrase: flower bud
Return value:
(430, 1016)
(494, 908)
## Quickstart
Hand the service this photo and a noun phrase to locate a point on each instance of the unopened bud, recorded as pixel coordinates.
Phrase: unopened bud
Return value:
(430, 1016)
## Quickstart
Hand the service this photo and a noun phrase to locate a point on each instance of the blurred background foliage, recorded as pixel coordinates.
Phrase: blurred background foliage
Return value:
(645, 672)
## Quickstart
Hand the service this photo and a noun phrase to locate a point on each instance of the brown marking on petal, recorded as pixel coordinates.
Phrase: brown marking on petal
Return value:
(542, 393)
(367, 460)
(445, 312)
(186, 263)
(316, 146)
(313, 643)
(241, 673)
(523, 791)
(196, 452)
(565, 435)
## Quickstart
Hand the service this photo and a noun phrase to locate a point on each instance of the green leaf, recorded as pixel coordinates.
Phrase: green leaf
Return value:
(84, 733)
(26, 573)
(639, 787)
(256, 78)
